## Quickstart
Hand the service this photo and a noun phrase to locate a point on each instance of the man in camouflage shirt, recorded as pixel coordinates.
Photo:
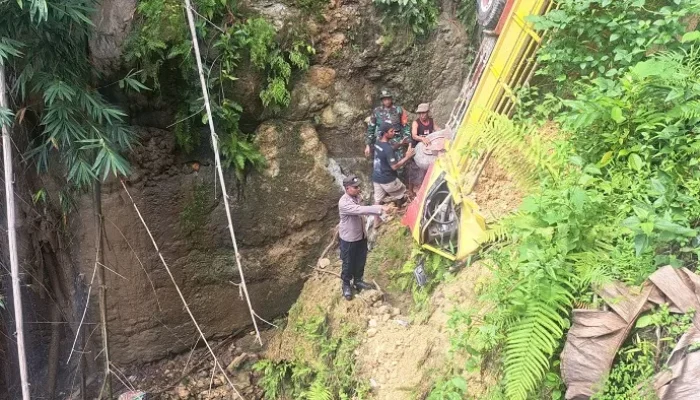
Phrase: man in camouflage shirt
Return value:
(389, 113)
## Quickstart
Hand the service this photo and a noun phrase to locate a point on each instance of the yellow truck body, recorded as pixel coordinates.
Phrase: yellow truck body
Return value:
(509, 65)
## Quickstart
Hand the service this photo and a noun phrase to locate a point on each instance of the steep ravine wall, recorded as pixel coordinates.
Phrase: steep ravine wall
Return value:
(282, 215)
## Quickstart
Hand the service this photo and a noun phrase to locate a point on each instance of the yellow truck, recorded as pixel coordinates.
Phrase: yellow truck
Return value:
(442, 219)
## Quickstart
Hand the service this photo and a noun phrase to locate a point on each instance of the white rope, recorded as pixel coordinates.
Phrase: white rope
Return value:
(12, 245)
(215, 146)
(182, 297)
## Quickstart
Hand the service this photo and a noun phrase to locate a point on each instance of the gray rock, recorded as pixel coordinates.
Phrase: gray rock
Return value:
(274, 11)
(401, 322)
(237, 362)
(112, 20)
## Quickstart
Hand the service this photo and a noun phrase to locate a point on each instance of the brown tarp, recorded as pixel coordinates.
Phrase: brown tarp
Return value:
(596, 336)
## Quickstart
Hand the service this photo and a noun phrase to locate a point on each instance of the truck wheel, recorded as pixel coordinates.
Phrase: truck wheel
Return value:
(489, 12)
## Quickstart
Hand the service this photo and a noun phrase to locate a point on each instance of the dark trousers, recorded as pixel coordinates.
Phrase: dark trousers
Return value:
(354, 256)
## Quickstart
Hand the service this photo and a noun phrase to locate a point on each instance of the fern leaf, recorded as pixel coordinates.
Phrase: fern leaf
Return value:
(318, 391)
(497, 233)
(532, 340)
(593, 268)
(687, 110)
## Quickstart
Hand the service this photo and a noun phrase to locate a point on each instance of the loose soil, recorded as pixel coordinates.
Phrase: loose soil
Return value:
(496, 193)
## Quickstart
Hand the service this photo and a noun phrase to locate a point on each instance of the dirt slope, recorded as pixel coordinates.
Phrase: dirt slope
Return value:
(398, 355)
(403, 361)
(401, 351)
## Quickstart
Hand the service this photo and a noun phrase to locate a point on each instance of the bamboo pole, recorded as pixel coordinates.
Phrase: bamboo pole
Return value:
(12, 238)
(215, 145)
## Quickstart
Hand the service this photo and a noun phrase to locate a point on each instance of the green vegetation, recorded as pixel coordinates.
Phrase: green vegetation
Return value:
(419, 18)
(452, 389)
(420, 15)
(467, 15)
(43, 45)
(632, 376)
(72, 131)
(331, 374)
(393, 247)
(229, 39)
(615, 201)
(603, 38)
(396, 255)
(436, 268)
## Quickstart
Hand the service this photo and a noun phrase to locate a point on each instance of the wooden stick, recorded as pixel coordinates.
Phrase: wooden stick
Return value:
(101, 286)
(82, 319)
(327, 272)
(332, 242)
(12, 245)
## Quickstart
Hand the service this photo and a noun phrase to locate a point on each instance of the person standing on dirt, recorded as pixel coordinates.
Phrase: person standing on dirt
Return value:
(353, 238)
(423, 126)
(387, 113)
(385, 179)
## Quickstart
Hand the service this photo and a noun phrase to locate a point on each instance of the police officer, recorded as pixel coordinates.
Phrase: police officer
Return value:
(387, 113)
(353, 238)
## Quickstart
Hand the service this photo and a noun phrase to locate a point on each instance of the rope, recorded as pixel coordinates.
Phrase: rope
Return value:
(12, 245)
(215, 146)
(182, 297)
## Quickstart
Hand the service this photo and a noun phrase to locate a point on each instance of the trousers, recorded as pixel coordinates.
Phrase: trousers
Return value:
(354, 256)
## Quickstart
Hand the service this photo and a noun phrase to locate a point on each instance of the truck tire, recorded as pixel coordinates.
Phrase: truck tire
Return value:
(488, 12)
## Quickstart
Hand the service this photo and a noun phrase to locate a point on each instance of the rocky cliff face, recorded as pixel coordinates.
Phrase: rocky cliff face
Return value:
(356, 60)
(282, 215)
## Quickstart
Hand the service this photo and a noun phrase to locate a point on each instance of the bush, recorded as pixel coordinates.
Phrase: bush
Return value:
(227, 38)
(420, 15)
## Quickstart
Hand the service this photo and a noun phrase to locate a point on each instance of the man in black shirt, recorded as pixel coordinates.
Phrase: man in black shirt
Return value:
(387, 185)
